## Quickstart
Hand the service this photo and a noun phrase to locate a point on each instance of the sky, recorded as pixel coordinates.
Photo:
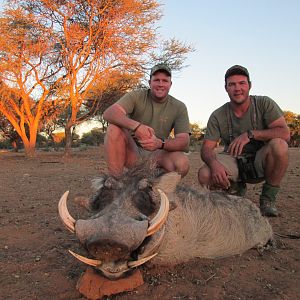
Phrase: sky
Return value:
(262, 35)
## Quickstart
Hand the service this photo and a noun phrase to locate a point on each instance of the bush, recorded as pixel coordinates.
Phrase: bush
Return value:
(94, 138)
(5, 144)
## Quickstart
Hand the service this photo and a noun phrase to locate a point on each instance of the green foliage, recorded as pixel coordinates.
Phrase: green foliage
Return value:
(94, 138)
(5, 143)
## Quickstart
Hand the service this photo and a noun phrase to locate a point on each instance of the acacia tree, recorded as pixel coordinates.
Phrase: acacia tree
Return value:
(28, 66)
(95, 37)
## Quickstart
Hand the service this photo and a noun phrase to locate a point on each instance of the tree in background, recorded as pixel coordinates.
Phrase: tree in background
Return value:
(171, 52)
(28, 67)
(293, 122)
(106, 92)
(95, 137)
(9, 133)
(94, 37)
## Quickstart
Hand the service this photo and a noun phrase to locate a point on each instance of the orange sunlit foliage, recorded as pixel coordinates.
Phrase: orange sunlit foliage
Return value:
(293, 121)
(25, 62)
(58, 137)
(59, 49)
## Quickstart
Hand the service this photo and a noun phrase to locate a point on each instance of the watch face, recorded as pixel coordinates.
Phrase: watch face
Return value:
(250, 134)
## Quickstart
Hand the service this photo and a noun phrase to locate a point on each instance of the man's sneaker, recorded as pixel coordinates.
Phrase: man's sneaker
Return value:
(268, 208)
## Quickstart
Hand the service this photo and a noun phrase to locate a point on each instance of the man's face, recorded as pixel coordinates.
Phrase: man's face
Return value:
(238, 87)
(160, 84)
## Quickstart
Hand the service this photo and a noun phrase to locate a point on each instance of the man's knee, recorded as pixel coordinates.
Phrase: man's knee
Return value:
(182, 165)
(204, 175)
(115, 134)
(175, 161)
(114, 131)
(279, 145)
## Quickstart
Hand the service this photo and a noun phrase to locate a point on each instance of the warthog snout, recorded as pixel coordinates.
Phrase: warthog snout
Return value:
(121, 233)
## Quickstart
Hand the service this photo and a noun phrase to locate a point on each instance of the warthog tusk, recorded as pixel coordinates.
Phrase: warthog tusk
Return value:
(64, 214)
(88, 261)
(136, 263)
(161, 216)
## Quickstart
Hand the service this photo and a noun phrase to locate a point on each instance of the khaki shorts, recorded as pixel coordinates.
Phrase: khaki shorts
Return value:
(230, 164)
(144, 153)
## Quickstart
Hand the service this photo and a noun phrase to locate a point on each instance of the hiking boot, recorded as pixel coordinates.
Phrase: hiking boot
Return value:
(238, 189)
(267, 200)
(268, 208)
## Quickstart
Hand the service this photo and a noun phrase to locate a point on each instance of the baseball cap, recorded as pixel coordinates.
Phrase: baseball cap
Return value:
(237, 70)
(161, 67)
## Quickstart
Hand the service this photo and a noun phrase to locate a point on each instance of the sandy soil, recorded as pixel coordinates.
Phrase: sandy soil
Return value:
(35, 264)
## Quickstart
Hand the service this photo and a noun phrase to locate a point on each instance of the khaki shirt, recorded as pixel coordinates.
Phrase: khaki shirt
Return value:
(267, 111)
(162, 117)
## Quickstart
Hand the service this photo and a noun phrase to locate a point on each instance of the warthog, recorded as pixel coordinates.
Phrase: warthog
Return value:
(146, 214)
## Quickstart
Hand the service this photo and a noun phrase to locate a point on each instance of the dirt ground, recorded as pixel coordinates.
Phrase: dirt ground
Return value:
(35, 264)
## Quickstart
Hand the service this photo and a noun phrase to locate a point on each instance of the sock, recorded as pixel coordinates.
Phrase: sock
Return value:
(269, 191)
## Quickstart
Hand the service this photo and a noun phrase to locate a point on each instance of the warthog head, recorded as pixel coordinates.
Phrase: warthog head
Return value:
(144, 215)
(127, 212)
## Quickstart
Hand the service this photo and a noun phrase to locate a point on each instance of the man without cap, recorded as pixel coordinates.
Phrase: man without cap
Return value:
(141, 123)
(255, 135)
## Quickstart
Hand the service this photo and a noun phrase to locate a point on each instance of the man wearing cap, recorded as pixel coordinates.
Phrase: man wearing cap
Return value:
(141, 123)
(255, 135)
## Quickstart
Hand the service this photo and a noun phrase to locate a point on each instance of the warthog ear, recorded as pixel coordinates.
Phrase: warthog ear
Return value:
(143, 184)
(97, 183)
(168, 182)
(105, 181)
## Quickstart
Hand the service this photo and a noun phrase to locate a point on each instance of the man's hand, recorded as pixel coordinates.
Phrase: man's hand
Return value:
(237, 145)
(151, 144)
(219, 175)
(144, 132)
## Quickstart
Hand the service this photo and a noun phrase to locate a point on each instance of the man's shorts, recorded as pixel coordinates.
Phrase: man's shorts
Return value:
(144, 153)
(231, 165)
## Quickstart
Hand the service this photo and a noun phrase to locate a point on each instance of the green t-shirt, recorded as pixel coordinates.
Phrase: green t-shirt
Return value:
(162, 117)
(267, 111)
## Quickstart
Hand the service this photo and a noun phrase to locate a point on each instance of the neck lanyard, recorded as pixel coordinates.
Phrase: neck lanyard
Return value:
(229, 118)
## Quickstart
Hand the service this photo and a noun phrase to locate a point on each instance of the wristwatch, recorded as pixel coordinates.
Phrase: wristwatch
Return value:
(250, 135)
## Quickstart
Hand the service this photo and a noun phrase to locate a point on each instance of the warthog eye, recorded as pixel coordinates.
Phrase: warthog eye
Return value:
(143, 202)
(102, 198)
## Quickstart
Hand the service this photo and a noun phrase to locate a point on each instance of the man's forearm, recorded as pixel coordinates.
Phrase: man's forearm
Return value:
(117, 116)
(177, 144)
(271, 133)
(208, 156)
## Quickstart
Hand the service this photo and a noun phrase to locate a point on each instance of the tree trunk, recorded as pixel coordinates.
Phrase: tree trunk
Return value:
(15, 146)
(29, 150)
(29, 142)
(68, 139)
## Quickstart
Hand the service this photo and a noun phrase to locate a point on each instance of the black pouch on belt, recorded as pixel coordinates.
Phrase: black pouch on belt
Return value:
(246, 168)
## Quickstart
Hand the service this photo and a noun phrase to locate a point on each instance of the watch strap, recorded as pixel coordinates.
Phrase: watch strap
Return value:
(250, 135)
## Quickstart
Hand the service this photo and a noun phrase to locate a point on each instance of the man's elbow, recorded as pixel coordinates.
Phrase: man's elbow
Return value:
(287, 135)
(288, 138)
(184, 144)
(105, 115)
